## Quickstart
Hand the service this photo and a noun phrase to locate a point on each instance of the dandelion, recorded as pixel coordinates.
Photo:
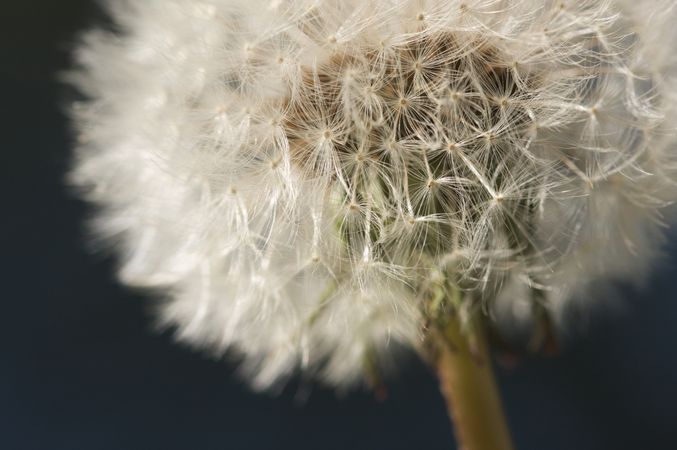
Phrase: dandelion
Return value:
(316, 184)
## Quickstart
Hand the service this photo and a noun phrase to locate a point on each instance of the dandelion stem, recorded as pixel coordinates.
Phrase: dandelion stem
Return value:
(462, 362)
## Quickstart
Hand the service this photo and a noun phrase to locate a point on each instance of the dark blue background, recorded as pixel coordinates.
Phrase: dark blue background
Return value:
(81, 367)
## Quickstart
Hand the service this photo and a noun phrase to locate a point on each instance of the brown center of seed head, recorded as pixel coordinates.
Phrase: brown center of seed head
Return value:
(434, 89)
(426, 107)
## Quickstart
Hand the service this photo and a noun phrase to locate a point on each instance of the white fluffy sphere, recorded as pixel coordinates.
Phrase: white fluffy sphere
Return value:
(298, 177)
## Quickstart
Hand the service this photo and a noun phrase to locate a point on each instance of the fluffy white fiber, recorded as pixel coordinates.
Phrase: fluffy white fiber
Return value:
(297, 177)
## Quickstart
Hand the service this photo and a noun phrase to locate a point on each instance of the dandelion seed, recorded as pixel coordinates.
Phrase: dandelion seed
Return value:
(261, 163)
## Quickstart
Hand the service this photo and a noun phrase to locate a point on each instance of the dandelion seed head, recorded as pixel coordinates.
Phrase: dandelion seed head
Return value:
(298, 176)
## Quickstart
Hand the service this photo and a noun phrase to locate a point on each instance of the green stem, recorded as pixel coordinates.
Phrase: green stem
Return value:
(462, 362)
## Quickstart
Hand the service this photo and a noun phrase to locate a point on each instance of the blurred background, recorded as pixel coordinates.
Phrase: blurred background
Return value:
(82, 368)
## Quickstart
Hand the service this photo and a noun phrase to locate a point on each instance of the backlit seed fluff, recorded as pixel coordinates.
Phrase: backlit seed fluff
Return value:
(299, 178)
